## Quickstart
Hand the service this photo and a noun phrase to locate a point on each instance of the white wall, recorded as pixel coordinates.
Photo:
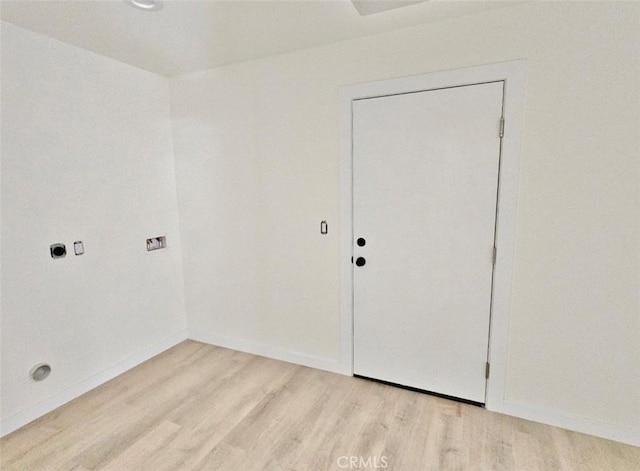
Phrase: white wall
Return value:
(257, 165)
(86, 155)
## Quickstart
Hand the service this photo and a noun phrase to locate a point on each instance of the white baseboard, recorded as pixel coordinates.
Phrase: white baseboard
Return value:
(628, 435)
(270, 351)
(19, 419)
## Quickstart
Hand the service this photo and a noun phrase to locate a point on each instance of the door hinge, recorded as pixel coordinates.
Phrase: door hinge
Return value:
(495, 254)
(487, 368)
(502, 127)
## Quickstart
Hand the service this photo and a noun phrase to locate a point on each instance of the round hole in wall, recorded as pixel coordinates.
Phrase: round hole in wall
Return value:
(40, 372)
(58, 250)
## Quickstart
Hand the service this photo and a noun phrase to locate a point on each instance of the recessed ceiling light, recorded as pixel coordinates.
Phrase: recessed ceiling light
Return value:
(146, 5)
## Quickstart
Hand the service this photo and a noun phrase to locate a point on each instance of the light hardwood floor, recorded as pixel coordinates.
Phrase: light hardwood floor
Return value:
(199, 407)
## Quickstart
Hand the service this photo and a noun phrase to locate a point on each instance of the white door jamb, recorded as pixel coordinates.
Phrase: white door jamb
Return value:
(513, 73)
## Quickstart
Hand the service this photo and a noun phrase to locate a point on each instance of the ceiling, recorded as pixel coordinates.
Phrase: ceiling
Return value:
(186, 36)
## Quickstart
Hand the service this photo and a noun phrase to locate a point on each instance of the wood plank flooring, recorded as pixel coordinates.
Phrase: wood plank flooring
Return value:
(199, 407)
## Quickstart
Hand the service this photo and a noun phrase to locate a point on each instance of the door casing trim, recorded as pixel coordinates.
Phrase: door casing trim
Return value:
(513, 73)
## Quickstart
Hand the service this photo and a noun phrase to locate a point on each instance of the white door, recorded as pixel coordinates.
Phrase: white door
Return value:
(425, 182)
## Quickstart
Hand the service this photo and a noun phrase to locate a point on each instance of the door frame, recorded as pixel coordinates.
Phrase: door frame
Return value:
(513, 73)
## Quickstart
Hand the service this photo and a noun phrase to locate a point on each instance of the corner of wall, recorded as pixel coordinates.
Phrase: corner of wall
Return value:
(33, 412)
